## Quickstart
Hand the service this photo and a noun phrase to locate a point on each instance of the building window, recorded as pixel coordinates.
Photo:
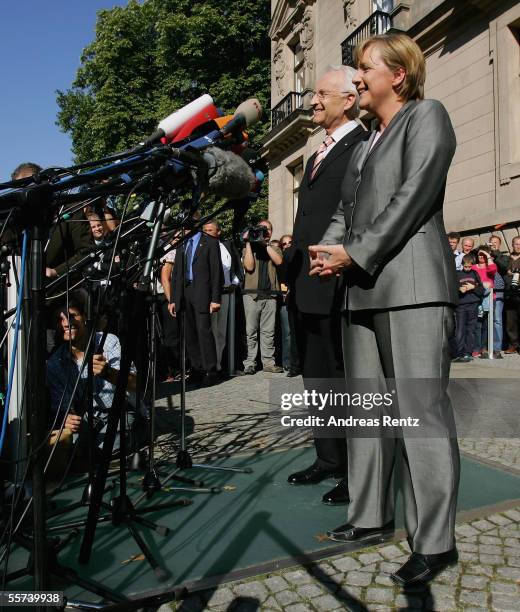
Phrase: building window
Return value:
(299, 68)
(297, 176)
(383, 5)
(380, 24)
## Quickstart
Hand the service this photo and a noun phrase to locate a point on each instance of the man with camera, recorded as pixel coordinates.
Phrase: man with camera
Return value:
(261, 287)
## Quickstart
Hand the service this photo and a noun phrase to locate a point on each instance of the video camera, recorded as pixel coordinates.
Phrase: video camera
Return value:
(259, 233)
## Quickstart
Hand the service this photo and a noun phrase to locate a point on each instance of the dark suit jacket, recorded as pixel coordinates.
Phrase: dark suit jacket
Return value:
(208, 276)
(69, 242)
(390, 217)
(317, 202)
(236, 263)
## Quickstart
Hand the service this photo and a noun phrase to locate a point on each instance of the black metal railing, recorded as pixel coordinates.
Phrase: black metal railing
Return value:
(284, 108)
(378, 23)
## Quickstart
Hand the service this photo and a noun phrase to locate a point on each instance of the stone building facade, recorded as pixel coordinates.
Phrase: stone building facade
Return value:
(472, 50)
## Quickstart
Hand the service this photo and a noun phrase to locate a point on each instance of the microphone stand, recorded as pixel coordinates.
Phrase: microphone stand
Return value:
(151, 482)
(184, 460)
(43, 559)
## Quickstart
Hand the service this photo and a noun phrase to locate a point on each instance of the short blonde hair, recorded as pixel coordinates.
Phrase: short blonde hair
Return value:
(399, 51)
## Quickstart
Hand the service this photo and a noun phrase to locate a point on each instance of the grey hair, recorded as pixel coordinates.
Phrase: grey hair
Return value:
(348, 73)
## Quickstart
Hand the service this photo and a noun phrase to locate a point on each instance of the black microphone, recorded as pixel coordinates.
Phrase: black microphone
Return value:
(222, 173)
(229, 176)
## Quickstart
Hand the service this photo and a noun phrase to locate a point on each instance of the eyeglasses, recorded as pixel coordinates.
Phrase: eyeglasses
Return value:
(285, 243)
(321, 95)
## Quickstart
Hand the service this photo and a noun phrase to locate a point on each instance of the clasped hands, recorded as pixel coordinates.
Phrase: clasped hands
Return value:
(338, 260)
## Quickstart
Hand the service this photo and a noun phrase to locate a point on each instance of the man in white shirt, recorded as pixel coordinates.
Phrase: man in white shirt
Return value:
(231, 281)
(317, 318)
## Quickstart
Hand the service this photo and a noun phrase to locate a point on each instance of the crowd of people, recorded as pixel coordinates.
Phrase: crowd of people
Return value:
(486, 273)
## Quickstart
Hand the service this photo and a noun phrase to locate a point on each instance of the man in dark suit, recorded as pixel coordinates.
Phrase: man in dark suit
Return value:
(335, 104)
(388, 237)
(198, 289)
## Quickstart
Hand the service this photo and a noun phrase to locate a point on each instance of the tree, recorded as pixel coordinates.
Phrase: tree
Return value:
(154, 56)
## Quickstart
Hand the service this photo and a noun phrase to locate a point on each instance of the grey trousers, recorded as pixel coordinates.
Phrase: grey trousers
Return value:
(407, 343)
(219, 322)
(260, 321)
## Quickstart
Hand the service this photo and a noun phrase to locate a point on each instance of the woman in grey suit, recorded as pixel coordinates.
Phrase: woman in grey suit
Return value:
(388, 237)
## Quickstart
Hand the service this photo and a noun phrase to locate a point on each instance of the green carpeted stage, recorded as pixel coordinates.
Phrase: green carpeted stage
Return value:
(256, 520)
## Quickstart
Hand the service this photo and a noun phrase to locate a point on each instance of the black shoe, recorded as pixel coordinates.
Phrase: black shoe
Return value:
(196, 377)
(293, 372)
(423, 568)
(338, 496)
(210, 379)
(349, 533)
(311, 475)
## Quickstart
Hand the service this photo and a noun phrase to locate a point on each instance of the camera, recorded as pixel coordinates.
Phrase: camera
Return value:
(258, 233)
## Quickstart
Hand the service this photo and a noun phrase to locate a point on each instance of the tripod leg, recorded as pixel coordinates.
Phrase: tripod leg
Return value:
(160, 573)
(113, 418)
(71, 576)
(217, 468)
(165, 506)
(160, 529)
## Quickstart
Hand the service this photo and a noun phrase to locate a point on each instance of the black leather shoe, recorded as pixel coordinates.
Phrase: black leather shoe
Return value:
(349, 533)
(311, 475)
(338, 496)
(293, 372)
(209, 379)
(423, 568)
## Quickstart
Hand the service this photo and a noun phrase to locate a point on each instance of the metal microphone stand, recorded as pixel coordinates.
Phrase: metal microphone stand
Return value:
(184, 460)
(43, 560)
(151, 481)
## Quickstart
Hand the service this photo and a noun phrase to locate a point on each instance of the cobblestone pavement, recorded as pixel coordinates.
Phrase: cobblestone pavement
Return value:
(486, 578)
(238, 416)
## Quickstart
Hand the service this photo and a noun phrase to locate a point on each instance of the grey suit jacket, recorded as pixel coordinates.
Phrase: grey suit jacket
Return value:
(390, 217)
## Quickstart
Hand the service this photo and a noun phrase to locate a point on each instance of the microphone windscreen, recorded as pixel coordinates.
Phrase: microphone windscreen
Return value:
(229, 176)
(174, 122)
(251, 110)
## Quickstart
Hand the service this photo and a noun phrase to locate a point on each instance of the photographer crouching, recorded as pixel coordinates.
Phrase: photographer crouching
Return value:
(261, 287)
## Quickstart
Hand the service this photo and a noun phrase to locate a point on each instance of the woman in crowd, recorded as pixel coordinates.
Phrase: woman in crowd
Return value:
(486, 269)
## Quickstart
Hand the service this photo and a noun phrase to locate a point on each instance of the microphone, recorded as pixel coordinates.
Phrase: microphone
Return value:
(192, 126)
(248, 113)
(229, 176)
(224, 174)
(170, 125)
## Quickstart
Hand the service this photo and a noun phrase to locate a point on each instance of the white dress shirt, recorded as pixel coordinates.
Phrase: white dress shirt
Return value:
(340, 133)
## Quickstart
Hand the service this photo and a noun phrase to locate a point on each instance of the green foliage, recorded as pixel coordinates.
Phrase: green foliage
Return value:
(154, 56)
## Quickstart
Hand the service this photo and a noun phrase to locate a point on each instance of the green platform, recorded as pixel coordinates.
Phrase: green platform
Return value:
(256, 519)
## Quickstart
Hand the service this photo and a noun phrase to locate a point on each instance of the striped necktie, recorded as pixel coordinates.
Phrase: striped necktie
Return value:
(320, 154)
